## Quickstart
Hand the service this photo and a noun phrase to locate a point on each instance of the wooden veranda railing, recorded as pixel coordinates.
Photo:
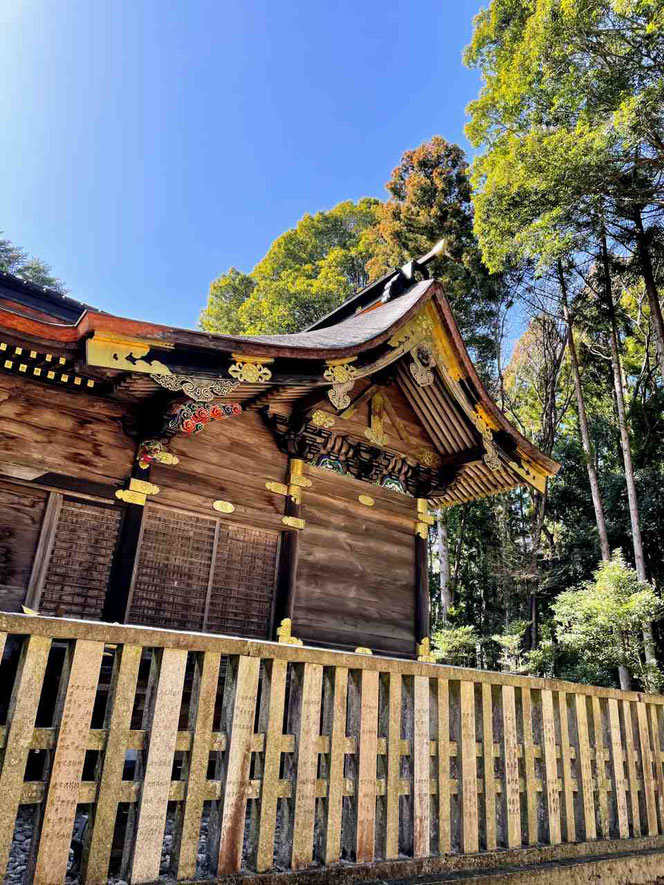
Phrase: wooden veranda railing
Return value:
(207, 755)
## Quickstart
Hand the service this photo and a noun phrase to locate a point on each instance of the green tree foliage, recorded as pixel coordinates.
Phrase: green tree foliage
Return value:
(430, 200)
(308, 271)
(602, 621)
(456, 645)
(16, 261)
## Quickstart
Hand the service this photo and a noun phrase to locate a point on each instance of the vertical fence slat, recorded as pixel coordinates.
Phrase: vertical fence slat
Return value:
(393, 781)
(585, 768)
(235, 784)
(489, 770)
(618, 765)
(600, 769)
(335, 786)
(118, 721)
(421, 766)
(201, 715)
(65, 776)
(271, 766)
(469, 767)
(566, 757)
(511, 766)
(646, 767)
(20, 723)
(529, 764)
(366, 771)
(444, 766)
(163, 727)
(550, 767)
(631, 768)
(307, 767)
(657, 754)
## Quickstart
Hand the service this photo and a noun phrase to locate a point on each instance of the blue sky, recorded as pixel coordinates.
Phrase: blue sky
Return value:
(148, 145)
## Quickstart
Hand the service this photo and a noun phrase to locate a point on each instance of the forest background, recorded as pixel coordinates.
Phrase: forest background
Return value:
(555, 229)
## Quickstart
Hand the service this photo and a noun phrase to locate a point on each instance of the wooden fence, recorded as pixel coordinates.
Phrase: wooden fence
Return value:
(256, 755)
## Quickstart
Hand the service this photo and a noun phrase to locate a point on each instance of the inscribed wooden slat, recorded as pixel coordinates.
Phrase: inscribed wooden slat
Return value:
(468, 768)
(238, 761)
(366, 773)
(118, 722)
(618, 766)
(271, 766)
(529, 764)
(393, 781)
(153, 801)
(654, 710)
(510, 750)
(307, 767)
(65, 775)
(585, 768)
(489, 769)
(550, 767)
(201, 715)
(646, 768)
(444, 766)
(421, 765)
(566, 757)
(335, 785)
(20, 723)
(600, 769)
(630, 752)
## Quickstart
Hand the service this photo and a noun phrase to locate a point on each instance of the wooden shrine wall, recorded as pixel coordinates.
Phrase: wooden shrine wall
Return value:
(356, 566)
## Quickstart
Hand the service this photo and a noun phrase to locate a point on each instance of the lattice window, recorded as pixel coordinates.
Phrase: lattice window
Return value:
(79, 566)
(173, 570)
(243, 582)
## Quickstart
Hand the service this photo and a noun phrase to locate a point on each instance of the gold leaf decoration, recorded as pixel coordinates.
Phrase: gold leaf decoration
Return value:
(322, 419)
(293, 522)
(223, 506)
(367, 500)
(250, 372)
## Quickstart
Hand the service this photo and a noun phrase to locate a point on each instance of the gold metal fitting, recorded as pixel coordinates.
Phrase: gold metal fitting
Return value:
(285, 635)
(424, 651)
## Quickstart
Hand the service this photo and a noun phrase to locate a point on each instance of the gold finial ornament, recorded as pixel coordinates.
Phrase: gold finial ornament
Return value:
(285, 635)
(424, 651)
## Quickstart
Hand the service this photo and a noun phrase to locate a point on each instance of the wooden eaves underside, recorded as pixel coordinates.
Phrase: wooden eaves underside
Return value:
(410, 340)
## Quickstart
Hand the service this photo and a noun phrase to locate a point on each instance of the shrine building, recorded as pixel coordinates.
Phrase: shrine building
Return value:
(179, 479)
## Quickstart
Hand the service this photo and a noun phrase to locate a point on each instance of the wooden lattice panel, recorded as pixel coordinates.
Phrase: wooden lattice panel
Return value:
(362, 759)
(79, 567)
(243, 582)
(173, 570)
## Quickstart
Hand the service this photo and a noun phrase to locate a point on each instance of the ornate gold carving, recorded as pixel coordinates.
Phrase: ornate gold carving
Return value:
(422, 530)
(338, 395)
(130, 497)
(123, 353)
(250, 369)
(424, 651)
(322, 419)
(152, 451)
(491, 457)
(284, 632)
(376, 432)
(143, 487)
(293, 522)
(367, 500)
(223, 506)
(414, 330)
(279, 488)
(423, 363)
(361, 650)
(429, 458)
(340, 371)
(199, 389)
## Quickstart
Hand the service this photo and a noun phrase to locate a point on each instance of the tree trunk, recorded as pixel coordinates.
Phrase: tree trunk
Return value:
(648, 275)
(444, 563)
(583, 426)
(639, 560)
(625, 678)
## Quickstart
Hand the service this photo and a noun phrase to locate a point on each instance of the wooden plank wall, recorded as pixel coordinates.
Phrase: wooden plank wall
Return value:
(21, 515)
(356, 567)
(362, 759)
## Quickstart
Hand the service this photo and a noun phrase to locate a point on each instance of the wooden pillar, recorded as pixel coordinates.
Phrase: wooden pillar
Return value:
(290, 540)
(119, 585)
(422, 601)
